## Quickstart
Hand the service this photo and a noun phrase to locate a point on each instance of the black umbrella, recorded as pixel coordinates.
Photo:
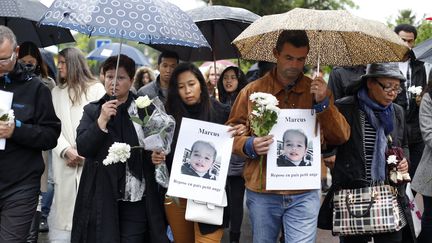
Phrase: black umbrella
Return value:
(220, 25)
(21, 16)
(423, 51)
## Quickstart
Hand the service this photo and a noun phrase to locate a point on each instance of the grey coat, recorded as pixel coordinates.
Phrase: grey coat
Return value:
(422, 181)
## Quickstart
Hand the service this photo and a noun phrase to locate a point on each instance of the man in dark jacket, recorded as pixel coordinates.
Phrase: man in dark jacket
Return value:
(36, 128)
(415, 74)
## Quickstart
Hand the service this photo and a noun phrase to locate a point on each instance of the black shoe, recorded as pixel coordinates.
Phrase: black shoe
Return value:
(43, 225)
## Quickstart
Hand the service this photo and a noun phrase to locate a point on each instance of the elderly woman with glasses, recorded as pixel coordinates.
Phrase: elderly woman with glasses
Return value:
(374, 119)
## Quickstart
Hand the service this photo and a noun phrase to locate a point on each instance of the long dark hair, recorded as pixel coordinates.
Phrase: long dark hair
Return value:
(30, 49)
(241, 77)
(175, 105)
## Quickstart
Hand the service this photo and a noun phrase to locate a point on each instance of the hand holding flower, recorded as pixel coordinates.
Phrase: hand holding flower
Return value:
(158, 157)
(6, 129)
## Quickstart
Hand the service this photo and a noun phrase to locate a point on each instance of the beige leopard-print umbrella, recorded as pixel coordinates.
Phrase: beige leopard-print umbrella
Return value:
(335, 36)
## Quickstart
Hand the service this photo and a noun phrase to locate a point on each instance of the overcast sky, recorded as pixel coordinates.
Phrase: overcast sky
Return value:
(381, 10)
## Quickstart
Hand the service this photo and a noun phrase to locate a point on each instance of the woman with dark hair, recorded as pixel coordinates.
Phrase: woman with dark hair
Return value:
(30, 56)
(118, 202)
(231, 81)
(143, 76)
(76, 88)
(422, 181)
(188, 97)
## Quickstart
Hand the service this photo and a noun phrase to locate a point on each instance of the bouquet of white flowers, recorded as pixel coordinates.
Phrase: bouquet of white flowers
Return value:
(263, 117)
(158, 131)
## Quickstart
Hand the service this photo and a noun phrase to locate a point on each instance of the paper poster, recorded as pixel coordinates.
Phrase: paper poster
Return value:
(201, 161)
(294, 158)
(5, 106)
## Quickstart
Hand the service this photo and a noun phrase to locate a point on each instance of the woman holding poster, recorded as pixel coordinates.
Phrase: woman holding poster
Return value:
(188, 97)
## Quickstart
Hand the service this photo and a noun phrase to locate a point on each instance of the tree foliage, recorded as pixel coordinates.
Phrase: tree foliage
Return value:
(406, 16)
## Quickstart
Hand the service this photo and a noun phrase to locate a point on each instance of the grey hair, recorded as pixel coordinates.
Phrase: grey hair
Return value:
(6, 33)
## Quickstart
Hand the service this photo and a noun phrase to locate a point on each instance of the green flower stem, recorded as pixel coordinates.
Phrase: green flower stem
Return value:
(146, 111)
(260, 167)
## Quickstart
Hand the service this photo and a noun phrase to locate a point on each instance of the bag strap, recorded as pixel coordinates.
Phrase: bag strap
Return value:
(348, 199)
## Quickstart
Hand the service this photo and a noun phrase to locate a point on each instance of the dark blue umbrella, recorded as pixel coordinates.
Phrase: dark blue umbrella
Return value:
(21, 17)
(146, 21)
(112, 49)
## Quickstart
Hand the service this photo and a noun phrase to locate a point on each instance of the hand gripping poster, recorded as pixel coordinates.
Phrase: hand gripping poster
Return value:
(201, 160)
(294, 158)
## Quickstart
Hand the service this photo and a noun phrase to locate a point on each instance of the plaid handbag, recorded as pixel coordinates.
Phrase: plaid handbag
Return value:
(366, 210)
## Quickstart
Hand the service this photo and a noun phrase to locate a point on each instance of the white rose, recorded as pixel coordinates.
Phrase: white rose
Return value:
(143, 102)
(392, 159)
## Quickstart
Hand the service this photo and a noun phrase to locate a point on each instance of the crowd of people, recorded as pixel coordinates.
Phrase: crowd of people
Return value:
(64, 125)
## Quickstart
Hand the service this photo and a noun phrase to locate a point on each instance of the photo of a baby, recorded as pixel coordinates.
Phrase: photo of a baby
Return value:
(294, 151)
(201, 161)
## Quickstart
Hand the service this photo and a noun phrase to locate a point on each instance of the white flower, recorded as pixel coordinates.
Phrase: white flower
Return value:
(11, 117)
(256, 113)
(274, 108)
(143, 101)
(118, 152)
(392, 159)
(416, 90)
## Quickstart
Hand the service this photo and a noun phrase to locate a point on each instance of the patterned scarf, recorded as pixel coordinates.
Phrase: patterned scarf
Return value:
(381, 118)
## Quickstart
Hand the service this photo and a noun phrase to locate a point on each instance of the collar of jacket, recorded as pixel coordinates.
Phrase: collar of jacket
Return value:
(299, 87)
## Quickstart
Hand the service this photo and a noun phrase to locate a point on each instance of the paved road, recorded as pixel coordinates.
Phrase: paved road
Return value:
(324, 236)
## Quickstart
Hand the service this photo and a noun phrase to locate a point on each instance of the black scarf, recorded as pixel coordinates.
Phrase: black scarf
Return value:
(123, 130)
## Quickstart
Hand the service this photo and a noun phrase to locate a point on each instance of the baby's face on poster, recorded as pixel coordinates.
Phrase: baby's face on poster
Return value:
(295, 147)
(202, 157)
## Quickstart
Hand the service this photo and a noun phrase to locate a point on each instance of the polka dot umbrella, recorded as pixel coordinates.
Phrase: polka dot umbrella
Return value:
(145, 21)
(335, 37)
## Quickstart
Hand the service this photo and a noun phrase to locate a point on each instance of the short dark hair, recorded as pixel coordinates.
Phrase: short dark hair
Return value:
(297, 38)
(126, 62)
(296, 131)
(168, 54)
(407, 28)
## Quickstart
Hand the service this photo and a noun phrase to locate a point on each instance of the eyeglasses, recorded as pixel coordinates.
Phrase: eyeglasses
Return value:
(389, 89)
(8, 59)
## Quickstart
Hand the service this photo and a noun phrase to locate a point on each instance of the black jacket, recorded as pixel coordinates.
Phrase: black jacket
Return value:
(21, 163)
(418, 78)
(95, 217)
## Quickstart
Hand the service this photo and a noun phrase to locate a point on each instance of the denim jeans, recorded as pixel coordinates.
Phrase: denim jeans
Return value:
(298, 214)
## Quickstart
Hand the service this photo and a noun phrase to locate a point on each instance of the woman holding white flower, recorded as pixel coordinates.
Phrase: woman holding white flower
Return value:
(188, 97)
(76, 88)
(361, 161)
(117, 198)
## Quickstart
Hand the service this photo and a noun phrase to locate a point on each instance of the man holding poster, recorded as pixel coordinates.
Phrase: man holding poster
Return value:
(296, 210)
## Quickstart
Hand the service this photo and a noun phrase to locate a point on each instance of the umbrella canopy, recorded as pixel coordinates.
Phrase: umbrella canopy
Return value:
(335, 36)
(21, 17)
(138, 20)
(220, 25)
(423, 51)
(112, 49)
